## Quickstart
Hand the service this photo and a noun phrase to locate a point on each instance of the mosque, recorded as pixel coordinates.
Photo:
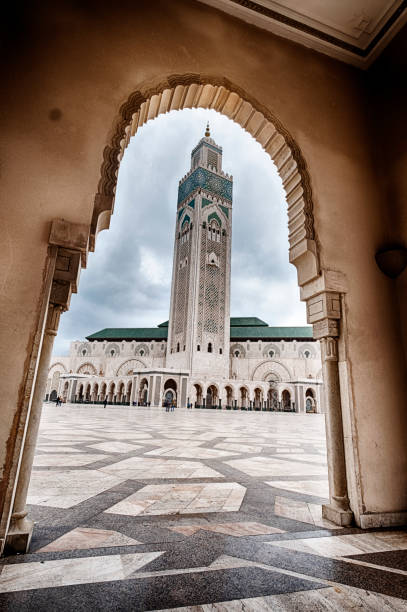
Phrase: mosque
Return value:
(201, 357)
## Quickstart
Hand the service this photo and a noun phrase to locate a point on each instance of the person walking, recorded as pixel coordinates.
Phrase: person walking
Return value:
(105, 402)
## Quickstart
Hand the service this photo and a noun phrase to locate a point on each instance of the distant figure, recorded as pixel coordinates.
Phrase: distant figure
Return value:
(56, 400)
(172, 405)
(105, 402)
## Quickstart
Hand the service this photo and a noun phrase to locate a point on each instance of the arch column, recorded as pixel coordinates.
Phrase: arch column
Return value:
(64, 282)
(324, 311)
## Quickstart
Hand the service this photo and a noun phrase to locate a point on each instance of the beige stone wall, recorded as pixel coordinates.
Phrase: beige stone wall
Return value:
(66, 78)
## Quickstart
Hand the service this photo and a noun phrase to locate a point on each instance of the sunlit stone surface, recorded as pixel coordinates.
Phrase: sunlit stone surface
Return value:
(204, 511)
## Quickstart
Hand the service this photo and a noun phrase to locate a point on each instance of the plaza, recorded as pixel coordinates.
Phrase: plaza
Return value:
(141, 509)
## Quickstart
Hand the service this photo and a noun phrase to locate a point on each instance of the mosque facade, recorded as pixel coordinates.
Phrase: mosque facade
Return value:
(201, 357)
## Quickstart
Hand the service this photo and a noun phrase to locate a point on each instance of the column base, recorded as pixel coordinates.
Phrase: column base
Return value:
(383, 519)
(344, 518)
(19, 536)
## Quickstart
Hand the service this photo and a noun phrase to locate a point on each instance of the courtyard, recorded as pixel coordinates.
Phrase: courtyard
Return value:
(142, 509)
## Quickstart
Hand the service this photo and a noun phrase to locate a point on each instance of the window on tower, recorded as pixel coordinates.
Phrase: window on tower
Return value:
(212, 159)
(198, 348)
(210, 347)
(177, 347)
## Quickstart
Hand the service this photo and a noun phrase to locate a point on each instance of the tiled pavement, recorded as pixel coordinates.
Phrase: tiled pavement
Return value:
(139, 509)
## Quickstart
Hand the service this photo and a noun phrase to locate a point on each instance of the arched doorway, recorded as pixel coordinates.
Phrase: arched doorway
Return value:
(244, 398)
(128, 392)
(264, 128)
(95, 393)
(120, 395)
(79, 395)
(229, 397)
(258, 398)
(286, 401)
(65, 392)
(272, 398)
(143, 392)
(170, 393)
(111, 395)
(310, 403)
(198, 395)
(212, 397)
(103, 392)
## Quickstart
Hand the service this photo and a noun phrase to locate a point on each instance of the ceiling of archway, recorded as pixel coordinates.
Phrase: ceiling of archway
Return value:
(354, 31)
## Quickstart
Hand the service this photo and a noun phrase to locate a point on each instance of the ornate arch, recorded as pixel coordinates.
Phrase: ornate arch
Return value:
(307, 347)
(237, 347)
(271, 347)
(129, 364)
(84, 346)
(59, 364)
(269, 366)
(112, 346)
(87, 366)
(177, 92)
(142, 347)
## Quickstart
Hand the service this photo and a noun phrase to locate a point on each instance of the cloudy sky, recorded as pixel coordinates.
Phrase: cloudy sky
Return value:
(128, 279)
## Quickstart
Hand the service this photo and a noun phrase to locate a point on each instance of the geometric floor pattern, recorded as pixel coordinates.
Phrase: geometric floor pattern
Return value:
(203, 511)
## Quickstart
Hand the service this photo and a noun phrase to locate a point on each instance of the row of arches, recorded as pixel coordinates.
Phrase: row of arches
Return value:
(260, 398)
(113, 393)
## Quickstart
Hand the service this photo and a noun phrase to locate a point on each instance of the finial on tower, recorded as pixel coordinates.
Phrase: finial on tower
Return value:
(207, 133)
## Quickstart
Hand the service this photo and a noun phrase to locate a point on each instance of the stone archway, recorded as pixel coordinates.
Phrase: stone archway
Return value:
(319, 288)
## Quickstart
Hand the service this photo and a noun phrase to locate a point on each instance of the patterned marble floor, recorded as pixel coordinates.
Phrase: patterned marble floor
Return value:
(139, 509)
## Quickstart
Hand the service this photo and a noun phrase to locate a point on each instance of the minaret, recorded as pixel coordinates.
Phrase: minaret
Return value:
(199, 327)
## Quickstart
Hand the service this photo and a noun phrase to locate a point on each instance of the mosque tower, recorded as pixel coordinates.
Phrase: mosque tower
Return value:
(199, 325)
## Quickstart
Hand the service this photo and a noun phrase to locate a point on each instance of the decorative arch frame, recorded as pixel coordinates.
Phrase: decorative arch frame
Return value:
(142, 347)
(89, 365)
(237, 347)
(83, 346)
(271, 365)
(271, 347)
(307, 347)
(60, 365)
(181, 91)
(110, 347)
(126, 365)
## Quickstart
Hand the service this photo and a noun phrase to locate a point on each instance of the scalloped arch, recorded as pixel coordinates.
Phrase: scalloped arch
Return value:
(180, 91)
(271, 365)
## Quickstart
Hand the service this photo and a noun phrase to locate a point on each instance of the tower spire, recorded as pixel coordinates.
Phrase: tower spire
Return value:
(207, 133)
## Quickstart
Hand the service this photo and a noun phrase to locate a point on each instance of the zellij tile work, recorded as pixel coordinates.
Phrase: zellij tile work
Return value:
(142, 509)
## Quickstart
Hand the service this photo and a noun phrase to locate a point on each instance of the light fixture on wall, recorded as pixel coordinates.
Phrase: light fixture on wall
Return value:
(392, 260)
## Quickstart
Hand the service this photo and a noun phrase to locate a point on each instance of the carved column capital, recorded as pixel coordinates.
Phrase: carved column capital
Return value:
(324, 312)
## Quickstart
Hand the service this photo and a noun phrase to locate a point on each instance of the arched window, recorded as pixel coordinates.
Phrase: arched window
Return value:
(198, 348)
(177, 347)
(210, 347)
(141, 353)
(220, 351)
(307, 354)
(271, 353)
(84, 352)
(112, 353)
(237, 353)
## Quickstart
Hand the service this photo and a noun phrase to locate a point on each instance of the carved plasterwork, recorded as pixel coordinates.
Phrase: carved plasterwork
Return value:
(266, 368)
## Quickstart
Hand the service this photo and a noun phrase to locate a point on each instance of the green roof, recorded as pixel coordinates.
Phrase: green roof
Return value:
(247, 322)
(238, 331)
(270, 333)
(130, 333)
